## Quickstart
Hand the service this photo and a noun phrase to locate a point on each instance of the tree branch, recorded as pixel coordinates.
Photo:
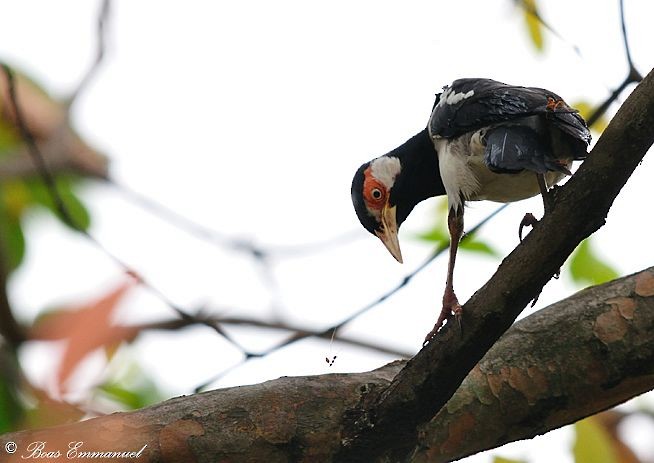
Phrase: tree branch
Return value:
(587, 353)
(389, 427)
(536, 378)
(295, 330)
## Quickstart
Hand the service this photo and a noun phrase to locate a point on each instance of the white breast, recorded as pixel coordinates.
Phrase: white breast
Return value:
(459, 178)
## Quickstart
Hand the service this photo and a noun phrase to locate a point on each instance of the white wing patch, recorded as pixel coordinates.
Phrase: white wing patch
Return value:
(385, 169)
(450, 97)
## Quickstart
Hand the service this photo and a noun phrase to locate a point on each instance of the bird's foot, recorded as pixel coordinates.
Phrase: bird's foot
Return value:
(527, 221)
(451, 308)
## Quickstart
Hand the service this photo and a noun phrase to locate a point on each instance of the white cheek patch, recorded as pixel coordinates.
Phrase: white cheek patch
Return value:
(385, 169)
(450, 97)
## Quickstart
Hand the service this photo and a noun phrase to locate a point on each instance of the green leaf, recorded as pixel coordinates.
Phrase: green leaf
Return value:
(586, 110)
(132, 399)
(507, 460)
(440, 237)
(48, 412)
(72, 203)
(534, 25)
(587, 268)
(593, 443)
(11, 408)
(478, 246)
(9, 140)
(435, 235)
(13, 242)
(132, 388)
(12, 239)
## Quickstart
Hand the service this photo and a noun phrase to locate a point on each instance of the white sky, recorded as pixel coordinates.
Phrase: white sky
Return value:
(251, 118)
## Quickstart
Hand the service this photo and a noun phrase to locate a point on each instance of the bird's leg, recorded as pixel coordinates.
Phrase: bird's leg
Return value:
(544, 192)
(529, 220)
(451, 304)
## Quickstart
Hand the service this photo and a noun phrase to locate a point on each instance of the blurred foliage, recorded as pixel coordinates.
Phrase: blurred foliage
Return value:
(20, 195)
(593, 443)
(47, 411)
(586, 110)
(586, 268)
(11, 407)
(131, 389)
(534, 24)
(507, 460)
(438, 234)
(22, 405)
(74, 326)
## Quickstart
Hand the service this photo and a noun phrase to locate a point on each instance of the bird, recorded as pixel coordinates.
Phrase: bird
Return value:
(484, 140)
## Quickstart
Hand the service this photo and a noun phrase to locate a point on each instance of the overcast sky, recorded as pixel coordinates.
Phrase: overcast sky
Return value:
(251, 117)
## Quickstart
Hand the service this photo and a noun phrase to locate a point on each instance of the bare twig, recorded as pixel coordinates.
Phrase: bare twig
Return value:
(103, 18)
(633, 72)
(34, 152)
(633, 76)
(65, 215)
(330, 331)
(222, 240)
(177, 324)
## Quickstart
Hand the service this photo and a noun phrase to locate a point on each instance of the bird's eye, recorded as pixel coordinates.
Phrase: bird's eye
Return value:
(374, 193)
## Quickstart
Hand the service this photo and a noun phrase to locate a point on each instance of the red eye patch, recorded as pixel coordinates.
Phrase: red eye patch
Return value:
(374, 191)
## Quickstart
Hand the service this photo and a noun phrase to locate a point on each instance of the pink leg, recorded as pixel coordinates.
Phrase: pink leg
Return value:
(451, 304)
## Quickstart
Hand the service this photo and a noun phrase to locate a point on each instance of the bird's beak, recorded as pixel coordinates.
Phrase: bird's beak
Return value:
(388, 234)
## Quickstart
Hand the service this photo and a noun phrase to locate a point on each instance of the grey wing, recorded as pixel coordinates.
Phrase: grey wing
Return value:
(471, 104)
(511, 149)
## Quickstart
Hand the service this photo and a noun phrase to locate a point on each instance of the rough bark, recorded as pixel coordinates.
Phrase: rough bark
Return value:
(388, 428)
(574, 358)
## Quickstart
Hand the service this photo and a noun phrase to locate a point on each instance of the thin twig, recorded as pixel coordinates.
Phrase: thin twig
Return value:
(103, 18)
(633, 72)
(34, 152)
(176, 324)
(222, 240)
(633, 76)
(65, 215)
(329, 332)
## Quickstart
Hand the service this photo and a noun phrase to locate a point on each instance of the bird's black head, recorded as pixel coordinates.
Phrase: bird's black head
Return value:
(368, 220)
(386, 189)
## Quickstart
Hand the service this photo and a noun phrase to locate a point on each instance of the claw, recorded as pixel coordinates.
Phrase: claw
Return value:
(527, 221)
(451, 308)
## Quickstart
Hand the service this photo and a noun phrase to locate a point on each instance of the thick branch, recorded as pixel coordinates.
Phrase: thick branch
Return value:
(389, 428)
(535, 378)
(577, 357)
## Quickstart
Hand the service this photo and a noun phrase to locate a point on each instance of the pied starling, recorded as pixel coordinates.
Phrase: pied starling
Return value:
(484, 140)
